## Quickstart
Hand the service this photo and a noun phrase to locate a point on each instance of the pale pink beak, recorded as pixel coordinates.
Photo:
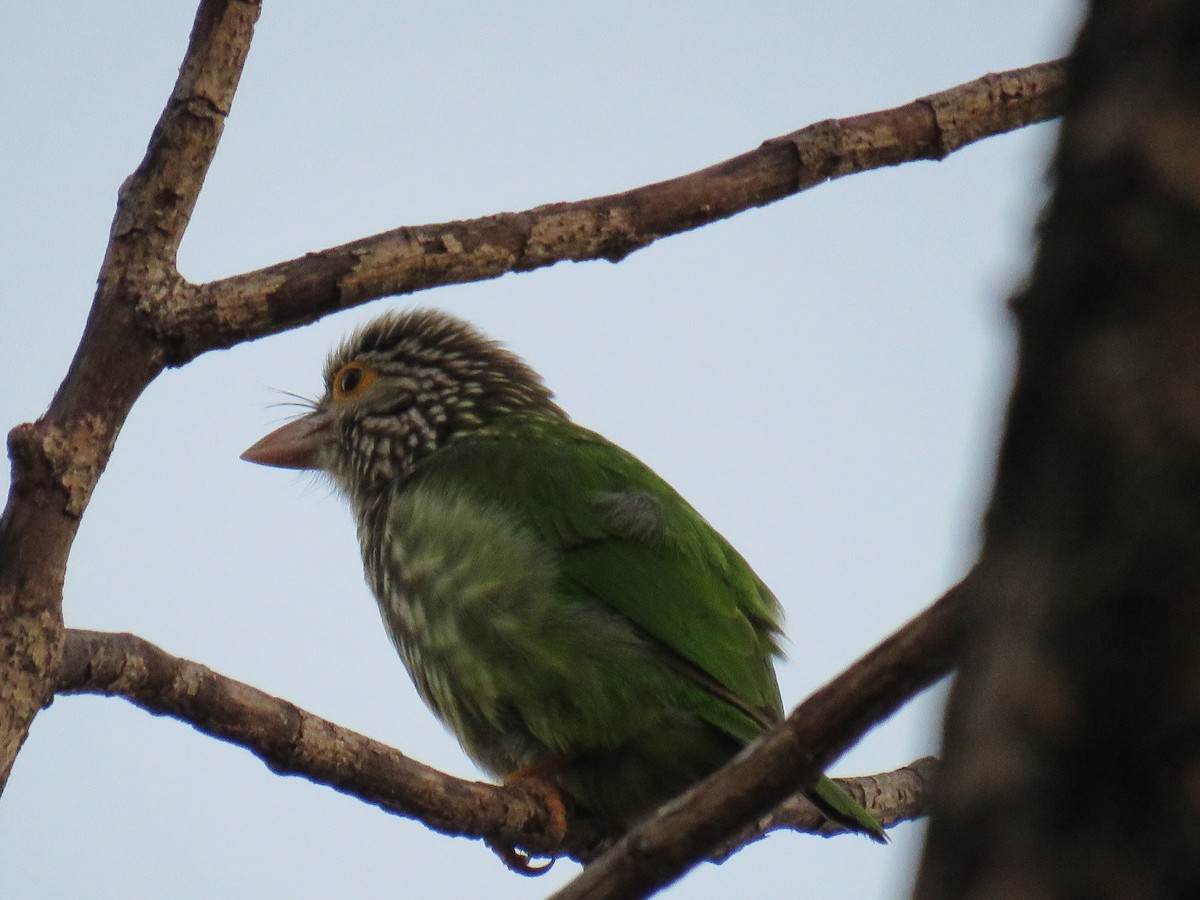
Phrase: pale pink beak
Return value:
(294, 446)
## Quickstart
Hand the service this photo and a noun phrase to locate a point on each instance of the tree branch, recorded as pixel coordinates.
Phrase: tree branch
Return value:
(155, 203)
(57, 460)
(892, 797)
(244, 307)
(291, 741)
(681, 834)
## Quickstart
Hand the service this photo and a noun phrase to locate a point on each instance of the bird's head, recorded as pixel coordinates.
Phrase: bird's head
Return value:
(396, 390)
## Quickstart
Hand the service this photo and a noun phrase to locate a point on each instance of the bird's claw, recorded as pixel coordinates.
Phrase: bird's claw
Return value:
(533, 780)
(519, 861)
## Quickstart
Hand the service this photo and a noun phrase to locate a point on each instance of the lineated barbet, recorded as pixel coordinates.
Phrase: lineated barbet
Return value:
(558, 605)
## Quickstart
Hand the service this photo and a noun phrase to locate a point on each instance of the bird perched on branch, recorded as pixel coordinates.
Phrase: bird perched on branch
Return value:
(558, 605)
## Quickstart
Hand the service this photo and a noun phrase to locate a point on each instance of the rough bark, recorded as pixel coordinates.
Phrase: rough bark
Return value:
(1073, 735)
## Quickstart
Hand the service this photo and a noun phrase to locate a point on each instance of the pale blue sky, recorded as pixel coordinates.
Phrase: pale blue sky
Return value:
(822, 378)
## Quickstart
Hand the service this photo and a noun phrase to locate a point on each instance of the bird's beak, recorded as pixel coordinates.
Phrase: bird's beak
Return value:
(294, 446)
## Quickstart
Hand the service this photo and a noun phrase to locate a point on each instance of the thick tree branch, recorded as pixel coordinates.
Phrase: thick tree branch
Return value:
(291, 741)
(681, 834)
(283, 296)
(57, 460)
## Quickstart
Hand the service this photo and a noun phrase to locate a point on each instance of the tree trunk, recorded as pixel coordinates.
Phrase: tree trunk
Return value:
(1073, 734)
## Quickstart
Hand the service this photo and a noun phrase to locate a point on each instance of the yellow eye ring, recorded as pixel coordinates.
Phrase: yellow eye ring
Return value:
(352, 379)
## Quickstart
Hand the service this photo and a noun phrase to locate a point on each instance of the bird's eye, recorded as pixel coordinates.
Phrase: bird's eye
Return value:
(352, 379)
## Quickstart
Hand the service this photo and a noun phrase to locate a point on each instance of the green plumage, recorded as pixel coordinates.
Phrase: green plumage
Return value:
(572, 603)
(557, 604)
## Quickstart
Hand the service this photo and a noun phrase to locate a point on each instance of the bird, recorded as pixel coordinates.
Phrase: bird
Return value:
(569, 617)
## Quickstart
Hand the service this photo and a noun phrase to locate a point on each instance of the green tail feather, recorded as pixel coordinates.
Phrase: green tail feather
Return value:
(840, 807)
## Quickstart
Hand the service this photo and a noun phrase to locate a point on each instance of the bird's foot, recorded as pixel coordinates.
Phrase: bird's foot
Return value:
(534, 779)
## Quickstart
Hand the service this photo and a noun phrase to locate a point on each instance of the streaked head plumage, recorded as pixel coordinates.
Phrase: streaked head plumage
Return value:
(397, 389)
(407, 383)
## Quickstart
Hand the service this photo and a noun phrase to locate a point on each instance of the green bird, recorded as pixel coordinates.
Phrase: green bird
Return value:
(565, 612)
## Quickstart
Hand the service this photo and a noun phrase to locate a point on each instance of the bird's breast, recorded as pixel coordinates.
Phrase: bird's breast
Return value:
(460, 586)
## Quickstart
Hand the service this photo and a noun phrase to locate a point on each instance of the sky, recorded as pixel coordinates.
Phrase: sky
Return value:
(823, 379)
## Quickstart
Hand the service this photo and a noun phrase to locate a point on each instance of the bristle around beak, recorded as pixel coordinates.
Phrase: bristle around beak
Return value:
(294, 446)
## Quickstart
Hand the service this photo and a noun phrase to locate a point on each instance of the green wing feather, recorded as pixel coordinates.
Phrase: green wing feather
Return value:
(627, 539)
